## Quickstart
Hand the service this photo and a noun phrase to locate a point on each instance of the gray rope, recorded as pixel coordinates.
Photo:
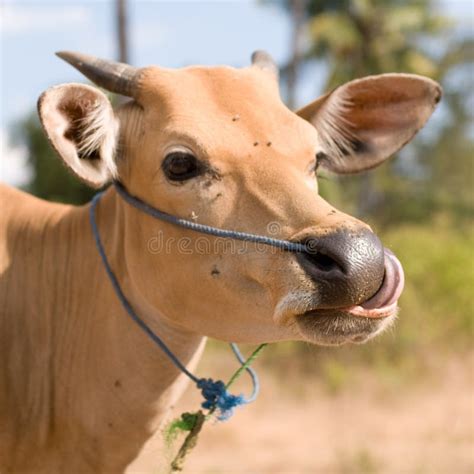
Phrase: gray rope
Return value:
(250, 371)
(206, 229)
(123, 299)
(215, 393)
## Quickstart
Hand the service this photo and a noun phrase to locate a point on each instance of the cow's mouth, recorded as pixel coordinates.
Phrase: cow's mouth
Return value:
(360, 322)
(384, 302)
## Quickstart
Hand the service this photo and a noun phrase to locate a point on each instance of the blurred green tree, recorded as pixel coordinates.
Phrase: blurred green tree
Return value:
(365, 37)
(355, 38)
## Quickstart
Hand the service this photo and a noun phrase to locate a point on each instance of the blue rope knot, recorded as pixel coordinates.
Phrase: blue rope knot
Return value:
(217, 396)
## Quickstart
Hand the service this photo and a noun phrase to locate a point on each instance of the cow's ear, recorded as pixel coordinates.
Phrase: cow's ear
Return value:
(80, 124)
(365, 121)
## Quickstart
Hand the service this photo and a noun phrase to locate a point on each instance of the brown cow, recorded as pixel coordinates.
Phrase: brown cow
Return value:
(81, 387)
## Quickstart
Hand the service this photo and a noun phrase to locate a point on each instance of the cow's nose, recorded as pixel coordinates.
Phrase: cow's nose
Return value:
(347, 265)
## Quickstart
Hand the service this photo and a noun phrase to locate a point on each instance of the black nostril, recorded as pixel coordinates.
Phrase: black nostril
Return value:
(346, 265)
(322, 262)
(320, 258)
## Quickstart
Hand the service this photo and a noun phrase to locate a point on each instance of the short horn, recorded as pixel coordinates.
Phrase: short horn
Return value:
(115, 77)
(264, 61)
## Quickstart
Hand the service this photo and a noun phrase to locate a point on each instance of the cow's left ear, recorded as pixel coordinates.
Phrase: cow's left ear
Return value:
(365, 121)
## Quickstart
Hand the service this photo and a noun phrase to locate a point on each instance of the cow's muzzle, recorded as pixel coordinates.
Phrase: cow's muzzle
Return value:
(353, 271)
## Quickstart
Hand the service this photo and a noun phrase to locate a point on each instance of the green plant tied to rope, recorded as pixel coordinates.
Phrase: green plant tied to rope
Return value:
(192, 423)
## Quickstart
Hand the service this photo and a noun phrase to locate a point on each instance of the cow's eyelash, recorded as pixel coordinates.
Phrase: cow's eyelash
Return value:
(318, 171)
(316, 167)
(320, 156)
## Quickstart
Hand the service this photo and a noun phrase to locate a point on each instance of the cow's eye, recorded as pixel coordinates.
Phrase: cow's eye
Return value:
(181, 165)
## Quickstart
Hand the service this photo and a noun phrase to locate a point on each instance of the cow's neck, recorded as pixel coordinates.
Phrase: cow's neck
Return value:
(138, 376)
(109, 386)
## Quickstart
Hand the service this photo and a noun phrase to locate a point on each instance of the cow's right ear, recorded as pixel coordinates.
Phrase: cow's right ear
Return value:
(80, 124)
(365, 121)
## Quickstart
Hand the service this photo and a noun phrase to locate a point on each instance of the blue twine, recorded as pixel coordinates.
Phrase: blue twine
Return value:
(250, 371)
(217, 397)
(215, 393)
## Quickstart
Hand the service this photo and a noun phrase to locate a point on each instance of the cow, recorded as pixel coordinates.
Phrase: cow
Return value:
(81, 387)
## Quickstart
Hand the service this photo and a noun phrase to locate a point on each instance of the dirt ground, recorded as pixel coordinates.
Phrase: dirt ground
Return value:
(297, 426)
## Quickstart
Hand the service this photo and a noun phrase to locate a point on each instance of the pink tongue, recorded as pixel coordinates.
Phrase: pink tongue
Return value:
(392, 285)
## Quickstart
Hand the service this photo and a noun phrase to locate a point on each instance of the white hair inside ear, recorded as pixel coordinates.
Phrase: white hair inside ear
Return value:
(363, 122)
(335, 131)
(81, 125)
(93, 137)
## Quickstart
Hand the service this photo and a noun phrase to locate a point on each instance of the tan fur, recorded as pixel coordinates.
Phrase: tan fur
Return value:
(81, 387)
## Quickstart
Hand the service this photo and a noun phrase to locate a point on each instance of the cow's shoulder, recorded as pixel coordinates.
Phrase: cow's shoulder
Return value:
(23, 217)
(19, 206)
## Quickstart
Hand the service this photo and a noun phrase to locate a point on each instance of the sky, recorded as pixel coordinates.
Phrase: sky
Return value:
(166, 33)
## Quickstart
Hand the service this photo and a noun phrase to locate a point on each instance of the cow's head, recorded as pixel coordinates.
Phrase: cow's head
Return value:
(218, 145)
